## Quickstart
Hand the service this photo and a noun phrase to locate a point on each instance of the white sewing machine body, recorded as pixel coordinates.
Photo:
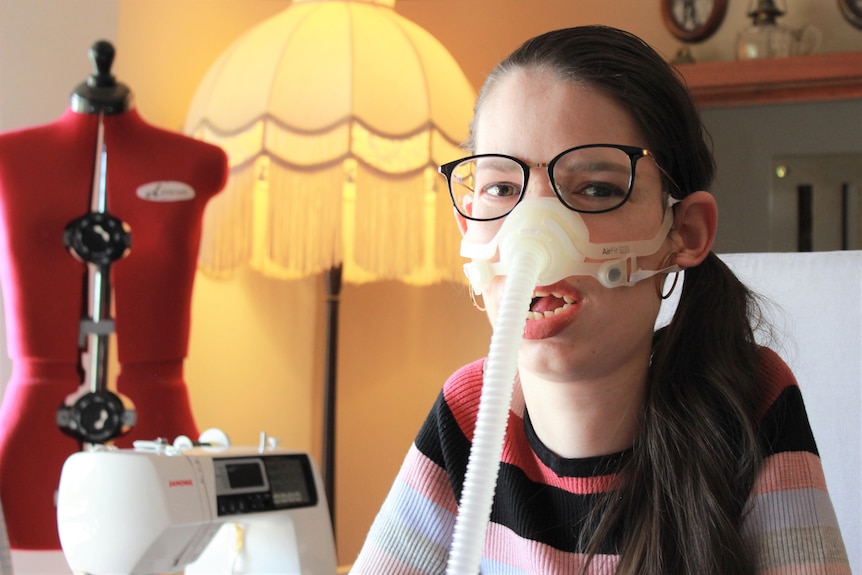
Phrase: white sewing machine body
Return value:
(200, 510)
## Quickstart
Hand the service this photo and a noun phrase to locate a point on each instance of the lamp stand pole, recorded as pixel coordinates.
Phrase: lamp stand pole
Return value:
(333, 293)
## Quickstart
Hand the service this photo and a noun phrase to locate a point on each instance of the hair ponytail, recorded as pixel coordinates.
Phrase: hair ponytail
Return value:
(704, 370)
(684, 493)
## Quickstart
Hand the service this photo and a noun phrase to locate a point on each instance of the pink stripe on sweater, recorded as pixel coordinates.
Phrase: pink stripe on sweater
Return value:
(517, 452)
(428, 480)
(504, 546)
(789, 471)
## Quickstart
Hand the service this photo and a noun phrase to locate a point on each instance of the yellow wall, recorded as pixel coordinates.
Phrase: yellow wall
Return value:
(257, 348)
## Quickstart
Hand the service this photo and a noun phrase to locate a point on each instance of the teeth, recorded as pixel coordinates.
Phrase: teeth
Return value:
(567, 302)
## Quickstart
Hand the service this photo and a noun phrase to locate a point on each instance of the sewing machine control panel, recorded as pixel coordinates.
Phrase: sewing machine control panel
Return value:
(252, 484)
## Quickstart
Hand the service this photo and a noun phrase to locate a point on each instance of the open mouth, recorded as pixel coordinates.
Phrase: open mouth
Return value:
(548, 304)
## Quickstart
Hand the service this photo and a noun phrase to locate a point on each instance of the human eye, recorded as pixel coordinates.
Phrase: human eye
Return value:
(498, 178)
(502, 189)
(592, 191)
(592, 183)
(597, 191)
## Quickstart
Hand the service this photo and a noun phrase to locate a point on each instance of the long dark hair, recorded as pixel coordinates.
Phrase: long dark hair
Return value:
(697, 453)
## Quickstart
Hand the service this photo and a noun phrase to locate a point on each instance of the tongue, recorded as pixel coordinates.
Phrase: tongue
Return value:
(547, 303)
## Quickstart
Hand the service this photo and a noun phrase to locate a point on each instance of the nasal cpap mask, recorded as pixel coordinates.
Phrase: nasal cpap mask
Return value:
(565, 236)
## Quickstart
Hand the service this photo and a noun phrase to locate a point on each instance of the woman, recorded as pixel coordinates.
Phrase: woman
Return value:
(686, 450)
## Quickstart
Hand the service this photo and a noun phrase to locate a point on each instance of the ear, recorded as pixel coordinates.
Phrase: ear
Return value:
(695, 224)
(461, 221)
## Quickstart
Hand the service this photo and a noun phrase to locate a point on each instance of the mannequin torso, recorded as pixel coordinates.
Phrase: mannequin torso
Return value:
(158, 182)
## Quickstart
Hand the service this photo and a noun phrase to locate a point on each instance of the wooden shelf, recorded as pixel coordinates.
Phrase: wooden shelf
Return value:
(815, 78)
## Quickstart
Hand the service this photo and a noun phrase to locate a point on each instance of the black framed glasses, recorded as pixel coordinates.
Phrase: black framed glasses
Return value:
(589, 179)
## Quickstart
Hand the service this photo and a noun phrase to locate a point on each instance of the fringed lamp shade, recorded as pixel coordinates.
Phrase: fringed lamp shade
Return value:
(334, 115)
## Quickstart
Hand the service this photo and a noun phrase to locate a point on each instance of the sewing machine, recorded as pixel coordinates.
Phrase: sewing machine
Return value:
(161, 509)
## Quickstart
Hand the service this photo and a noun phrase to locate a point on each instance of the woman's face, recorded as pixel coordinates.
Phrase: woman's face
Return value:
(533, 115)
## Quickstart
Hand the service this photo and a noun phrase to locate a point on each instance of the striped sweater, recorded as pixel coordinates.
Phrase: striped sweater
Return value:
(540, 497)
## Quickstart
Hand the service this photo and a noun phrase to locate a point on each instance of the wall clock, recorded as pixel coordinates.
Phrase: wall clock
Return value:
(696, 20)
(852, 10)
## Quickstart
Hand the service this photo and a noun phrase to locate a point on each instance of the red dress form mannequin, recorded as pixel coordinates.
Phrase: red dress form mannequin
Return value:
(158, 182)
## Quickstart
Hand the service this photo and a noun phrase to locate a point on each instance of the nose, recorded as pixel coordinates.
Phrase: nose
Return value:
(539, 182)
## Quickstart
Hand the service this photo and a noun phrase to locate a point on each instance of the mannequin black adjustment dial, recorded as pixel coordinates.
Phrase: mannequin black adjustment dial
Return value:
(98, 238)
(96, 417)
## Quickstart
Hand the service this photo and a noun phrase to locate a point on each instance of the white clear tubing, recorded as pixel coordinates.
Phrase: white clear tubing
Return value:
(501, 366)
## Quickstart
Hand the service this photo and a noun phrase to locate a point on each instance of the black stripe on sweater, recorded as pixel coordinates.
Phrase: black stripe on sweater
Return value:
(546, 514)
(785, 427)
(440, 439)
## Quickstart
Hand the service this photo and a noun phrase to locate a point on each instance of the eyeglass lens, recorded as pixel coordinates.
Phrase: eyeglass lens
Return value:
(591, 179)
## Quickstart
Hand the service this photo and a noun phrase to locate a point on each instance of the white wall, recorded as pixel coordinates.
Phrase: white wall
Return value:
(43, 54)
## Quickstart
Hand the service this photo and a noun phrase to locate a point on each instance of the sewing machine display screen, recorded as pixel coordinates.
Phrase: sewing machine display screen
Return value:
(244, 475)
(264, 483)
